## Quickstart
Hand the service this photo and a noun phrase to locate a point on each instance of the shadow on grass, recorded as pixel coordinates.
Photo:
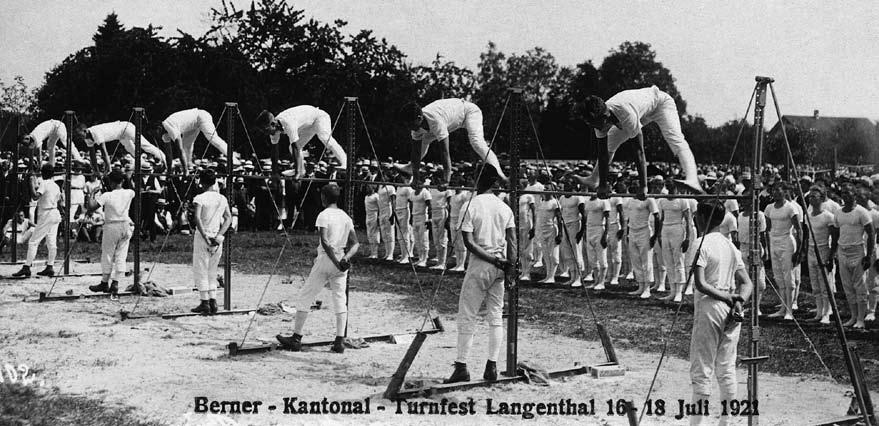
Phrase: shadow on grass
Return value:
(631, 323)
(29, 405)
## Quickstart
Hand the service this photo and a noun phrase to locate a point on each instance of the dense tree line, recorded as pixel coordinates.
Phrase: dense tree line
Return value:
(269, 56)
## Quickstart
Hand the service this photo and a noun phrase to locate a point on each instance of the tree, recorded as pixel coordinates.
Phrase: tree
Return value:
(17, 98)
(633, 66)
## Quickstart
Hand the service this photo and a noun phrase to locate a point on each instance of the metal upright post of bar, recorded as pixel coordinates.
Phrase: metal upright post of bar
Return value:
(513, 292)
(754, 254)
(232, 108)
(138, 191)
(17, 188)
(68, 121)
(350, 146)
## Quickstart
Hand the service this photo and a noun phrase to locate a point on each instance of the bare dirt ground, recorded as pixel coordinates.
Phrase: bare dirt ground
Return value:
(159, 367)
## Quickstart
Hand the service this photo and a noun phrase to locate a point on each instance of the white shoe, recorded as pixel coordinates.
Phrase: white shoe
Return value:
(850, 322)
(422, 264)
(631, 276)
(778, 314)
(678, 298)
(870, 317)
(600, 286)
(524, 277)
(373, 256)
(577, 284)
(403, 260)
(438, 267)
(825, 320)
(788, 317)
(794, 307)
(615, 281)
(645, 294)
(565, 275)
(458, 268)
(389, 259)
(689, 290)
(547, 280)
(539, 264)
(661, 288)
(589, 277)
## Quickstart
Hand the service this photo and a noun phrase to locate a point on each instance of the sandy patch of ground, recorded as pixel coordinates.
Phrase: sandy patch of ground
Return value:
(160, 366)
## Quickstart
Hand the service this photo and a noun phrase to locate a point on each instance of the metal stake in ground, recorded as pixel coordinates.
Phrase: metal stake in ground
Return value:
(513, 292)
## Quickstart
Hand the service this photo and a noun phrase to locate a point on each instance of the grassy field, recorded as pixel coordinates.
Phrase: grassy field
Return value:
(632, 323)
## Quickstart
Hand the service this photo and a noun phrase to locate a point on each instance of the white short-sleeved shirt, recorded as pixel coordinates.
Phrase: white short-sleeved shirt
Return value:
(545, 213)
(614, 217)
(639, 213)
(294, 121)
(458, 201)
(488, 219)
(831, 206)
(183, 122)
(595, 210)
(780, 218)
(51, 130)
(851, 225)
(419, 203)
(49, 193)
(338, 225)
(821, 224)
(525, 202)
(109, 132)
(213, 205)
(439, 200)
(443, 116)
(731, 205)
(116, 204)
(744, 226)
(633, 109)
(673, 211)
(570, 206)
(720, 260)
(384, 197)
(729, 225)
(404, 195)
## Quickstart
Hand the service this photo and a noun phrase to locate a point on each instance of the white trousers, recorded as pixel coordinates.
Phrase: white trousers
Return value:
(595, 253)
(476, 136)
(47, 227)
(324, 274)
(570, 250)
(640, 255)
(713, 353)
(373, 233)
(114, 248)
(672, 256)
(713, 348)
(526, 245)
(440, 237)
(420, 238)
(323, 129)
(781, 250)
(852, 273)
(458, 242)
(816, 277)
(761, 270)
(404, 233)
(482, 282)
(207, 128)
(205, 263)
(550, 250)
(614, 246)
(669, 122)
(387, 231)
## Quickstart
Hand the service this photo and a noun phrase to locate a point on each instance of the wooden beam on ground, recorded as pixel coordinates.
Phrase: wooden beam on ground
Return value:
(68, 297)
(126, 315)
(451, 387)
(235, 350)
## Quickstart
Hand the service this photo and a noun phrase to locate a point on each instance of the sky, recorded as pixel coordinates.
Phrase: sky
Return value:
(822, 55)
